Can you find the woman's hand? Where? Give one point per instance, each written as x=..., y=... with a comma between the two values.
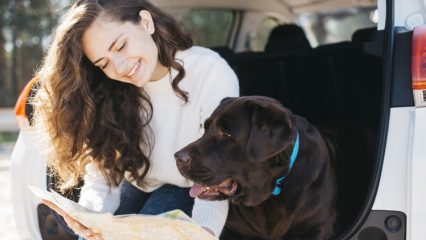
x=76, y=226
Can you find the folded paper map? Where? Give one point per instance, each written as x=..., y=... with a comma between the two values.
x=173, y=225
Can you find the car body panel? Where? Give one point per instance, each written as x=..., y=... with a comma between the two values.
x=418, y=176
x=403, y=174
x=392, y=192
x=409, y=13
x=28, y=168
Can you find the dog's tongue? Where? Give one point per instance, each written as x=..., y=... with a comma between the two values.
x=196, y=190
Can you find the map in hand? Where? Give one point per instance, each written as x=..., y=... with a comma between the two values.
x=173, y=225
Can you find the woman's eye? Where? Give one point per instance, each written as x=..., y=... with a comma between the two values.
x=105, y=65
x=122, y=46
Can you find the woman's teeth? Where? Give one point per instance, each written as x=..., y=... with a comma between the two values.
x=133, y=70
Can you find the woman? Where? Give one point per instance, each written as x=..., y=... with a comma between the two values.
x=122, y=89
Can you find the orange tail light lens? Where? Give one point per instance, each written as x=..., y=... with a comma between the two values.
x=419, y=58
x=22, y=99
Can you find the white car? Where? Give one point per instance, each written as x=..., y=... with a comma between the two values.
x=360, y=62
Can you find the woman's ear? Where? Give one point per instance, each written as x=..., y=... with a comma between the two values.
x=146, y=21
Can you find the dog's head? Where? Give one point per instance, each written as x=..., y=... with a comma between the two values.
x=246, y=146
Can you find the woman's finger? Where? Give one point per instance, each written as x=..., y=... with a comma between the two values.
x=95, y=236
x=89, y=234
x=68, y=219
x=75, y=225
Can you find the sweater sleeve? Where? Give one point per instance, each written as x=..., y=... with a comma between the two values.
x=220, y=83
x=211, y=214
x=96, y=194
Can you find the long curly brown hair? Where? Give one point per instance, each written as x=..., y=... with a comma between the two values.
x=90, y=117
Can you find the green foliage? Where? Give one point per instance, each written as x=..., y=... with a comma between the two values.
x=8, y=137
x=210, y=28
x=25, y=29
x=3, y=66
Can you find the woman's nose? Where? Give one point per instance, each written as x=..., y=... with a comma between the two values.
x=120, y=66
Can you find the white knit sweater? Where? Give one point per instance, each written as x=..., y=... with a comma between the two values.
x=207, y=81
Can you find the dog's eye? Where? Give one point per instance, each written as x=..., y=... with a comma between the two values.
x=224, y=133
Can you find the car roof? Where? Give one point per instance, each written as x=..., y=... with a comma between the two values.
x=284, y=7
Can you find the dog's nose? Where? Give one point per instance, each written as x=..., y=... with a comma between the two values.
x=183, y=158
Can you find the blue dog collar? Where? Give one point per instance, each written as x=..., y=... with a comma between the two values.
x=277, y=189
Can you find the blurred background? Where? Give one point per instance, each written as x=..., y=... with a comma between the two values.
x=25, y=32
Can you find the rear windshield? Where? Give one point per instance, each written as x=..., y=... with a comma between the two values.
x=336, y=26
x=209, y=27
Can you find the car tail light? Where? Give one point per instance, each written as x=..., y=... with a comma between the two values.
x=20, y=106
x=418, y=66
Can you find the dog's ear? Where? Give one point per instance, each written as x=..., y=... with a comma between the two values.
x=227, y=100
x=270, y=131
x=223, y=104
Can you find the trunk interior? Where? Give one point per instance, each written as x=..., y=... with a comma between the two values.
x=331, y=85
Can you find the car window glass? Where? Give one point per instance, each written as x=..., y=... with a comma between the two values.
x=336, y=26
x=209, y=27
x=258, y=38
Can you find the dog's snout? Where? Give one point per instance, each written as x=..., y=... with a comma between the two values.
x=183, y=157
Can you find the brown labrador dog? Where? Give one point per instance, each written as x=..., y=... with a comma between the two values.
x=245, y=156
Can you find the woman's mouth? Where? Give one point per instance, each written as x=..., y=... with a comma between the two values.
x=134, y=68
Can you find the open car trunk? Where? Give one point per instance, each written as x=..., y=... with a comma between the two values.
x=332, y=85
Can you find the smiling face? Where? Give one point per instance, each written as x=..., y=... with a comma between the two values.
x=125, y=51
x=234, y=159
